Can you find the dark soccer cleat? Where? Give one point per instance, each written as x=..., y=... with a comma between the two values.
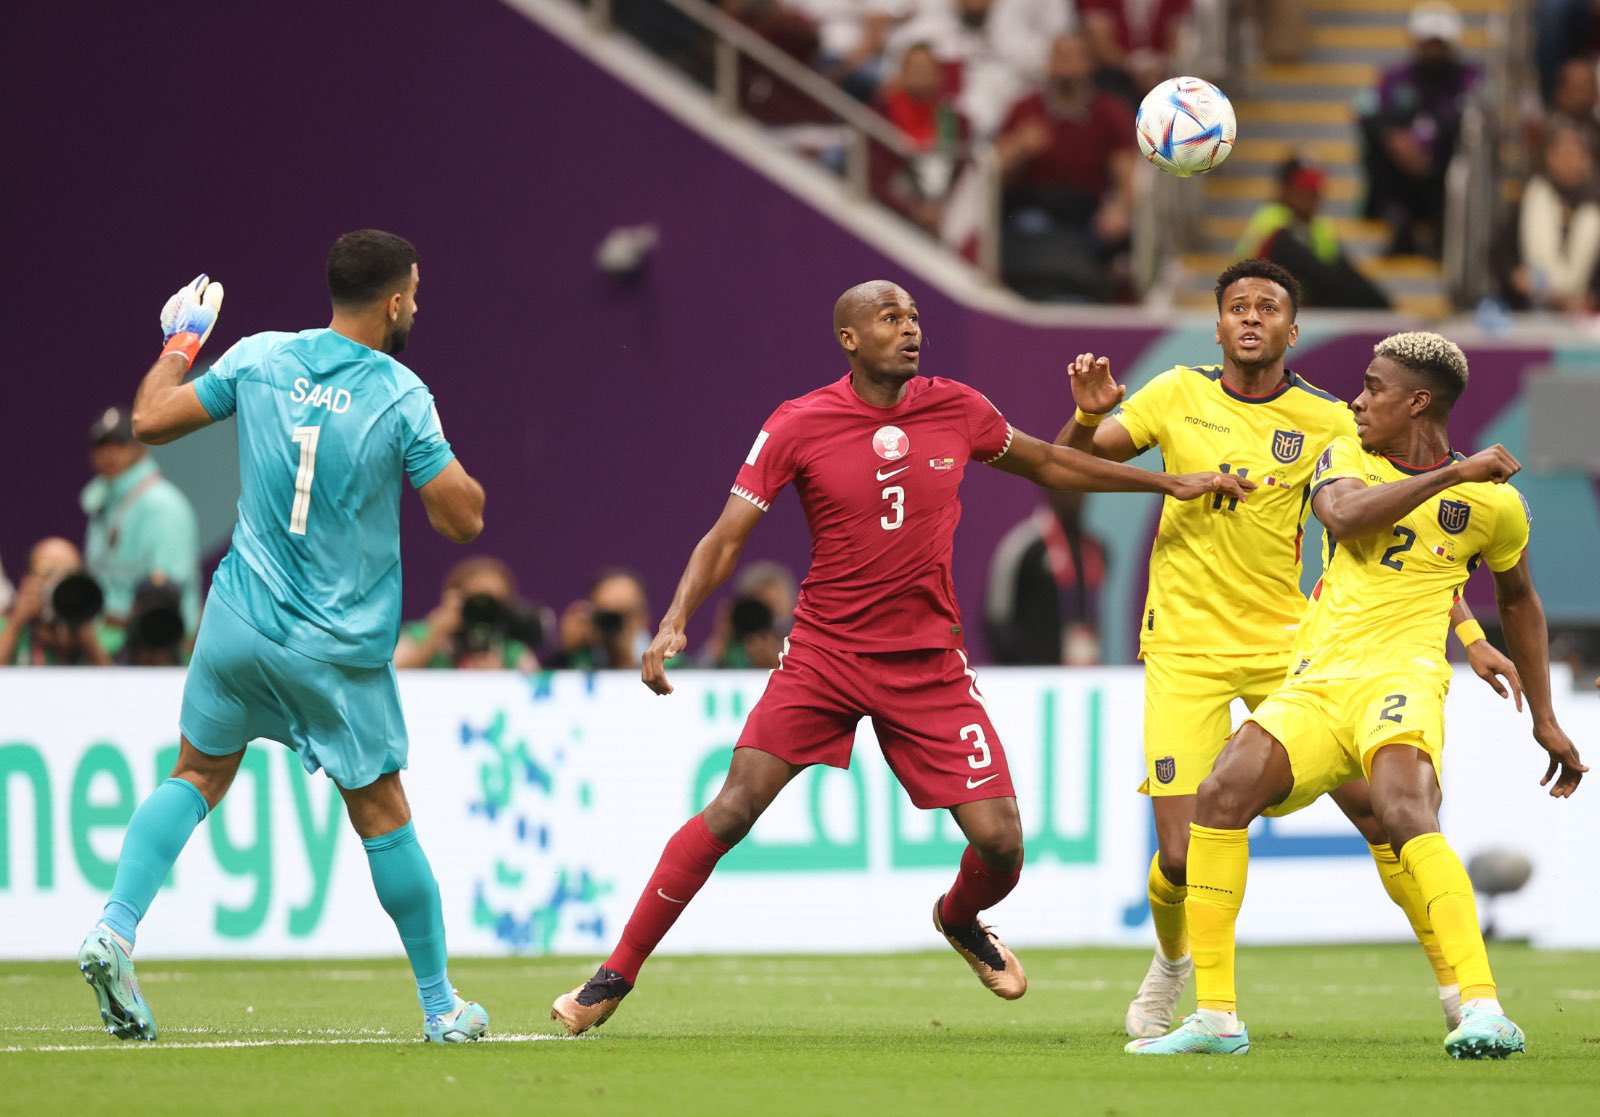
x=592, y=1003
x=995, y=966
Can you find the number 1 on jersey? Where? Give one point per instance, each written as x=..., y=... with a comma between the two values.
x=307, y=439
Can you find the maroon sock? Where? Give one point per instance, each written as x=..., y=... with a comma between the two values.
x=977, y=887
x=685, y=864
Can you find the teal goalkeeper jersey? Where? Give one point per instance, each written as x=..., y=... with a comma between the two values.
x=327, y=430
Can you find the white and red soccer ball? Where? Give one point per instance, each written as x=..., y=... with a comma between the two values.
x=1186, y=126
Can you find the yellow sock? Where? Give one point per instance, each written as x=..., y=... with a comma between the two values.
x=1403, y=890
x=1218, y=862
x=1166, y=910
x=1451, y=910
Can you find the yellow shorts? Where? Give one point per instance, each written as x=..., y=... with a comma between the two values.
x=1332, y=727
x=1186, y=714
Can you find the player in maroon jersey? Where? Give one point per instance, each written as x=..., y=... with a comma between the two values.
x=877, y=458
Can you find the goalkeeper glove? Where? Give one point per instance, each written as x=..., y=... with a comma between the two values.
x=189, y=317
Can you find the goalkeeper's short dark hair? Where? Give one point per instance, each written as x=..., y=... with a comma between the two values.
x=1260, y=269
x=368, y=265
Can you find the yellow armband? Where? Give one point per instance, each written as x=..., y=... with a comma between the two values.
x=1469, y=632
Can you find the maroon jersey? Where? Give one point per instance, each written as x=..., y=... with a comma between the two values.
x=880, y=488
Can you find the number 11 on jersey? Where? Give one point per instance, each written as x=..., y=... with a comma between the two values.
x=307, y=439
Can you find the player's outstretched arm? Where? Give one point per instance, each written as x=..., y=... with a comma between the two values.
x=1486, y=660
x=454, y=501
x=711, y=564
x=1528, y=639
x=1058, y=467
x=1349, y=509
x=1096, y=395
x=165, y=408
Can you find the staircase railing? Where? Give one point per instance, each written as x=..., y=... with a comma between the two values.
x=865, y=134
x=1489, y=152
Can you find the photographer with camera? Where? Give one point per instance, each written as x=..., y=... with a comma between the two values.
x=750, y=628
x=51, y=622
x=141, y=526
x=478, y=624
x=610, y=627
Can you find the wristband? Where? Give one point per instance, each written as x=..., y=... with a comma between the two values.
x=1084, y=419
x=186, y=344
x=1469, y=632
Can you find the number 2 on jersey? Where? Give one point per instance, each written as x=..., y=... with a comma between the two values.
x=896, y=496
x=307, y=439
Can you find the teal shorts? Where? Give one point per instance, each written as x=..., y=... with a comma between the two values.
x=241, y=686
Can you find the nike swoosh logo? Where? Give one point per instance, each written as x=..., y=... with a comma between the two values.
x=972, y=783
x=882, y=476
x=670, y=900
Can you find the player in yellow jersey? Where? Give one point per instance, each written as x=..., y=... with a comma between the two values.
x=1224, y=600
x=1408, y=520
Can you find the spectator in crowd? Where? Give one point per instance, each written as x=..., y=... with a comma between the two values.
x=918, y=103
x=1409, y=132
x=751, y=626
x=140, y=524
x=1291, y=232
x=608, y=628
x=479, y=624
x=1135, y=37
x=1558, y=230
x=52, y=618
x=1563, y=28
x=851, y=35
x=6, y=590
x=1575, y=103
x=994, y=50
x=1067, y=157
x=1043, y=601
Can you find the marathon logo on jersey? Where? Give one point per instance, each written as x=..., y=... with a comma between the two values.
x=1300, y=668
x=1286, y=445
x=941, y=464
x=1453, y=515
x=1166, y=769
x=891, y=443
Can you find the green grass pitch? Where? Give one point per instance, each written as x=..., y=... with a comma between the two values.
x=1335, y=1030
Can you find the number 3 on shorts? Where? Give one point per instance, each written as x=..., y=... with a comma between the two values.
x=973, y=735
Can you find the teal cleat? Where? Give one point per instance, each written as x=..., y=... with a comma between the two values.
x=467, y=1022
x=109, y=971
x=1193, y=1037
x=1484, y=1035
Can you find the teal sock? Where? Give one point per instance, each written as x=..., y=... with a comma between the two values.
x=156, y=835
x=408, y=892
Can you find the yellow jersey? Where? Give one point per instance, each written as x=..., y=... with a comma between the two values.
x=1384, y=599
x=1224, y=573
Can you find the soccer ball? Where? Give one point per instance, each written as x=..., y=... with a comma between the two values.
x=1186, y=126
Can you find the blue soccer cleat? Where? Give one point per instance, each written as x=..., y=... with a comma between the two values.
x=1484, y=1034
x=463, y=1024
x=109, y=971
x=1194, y=1037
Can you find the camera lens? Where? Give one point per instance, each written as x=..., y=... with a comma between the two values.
x=76, y=599
x=609, y=624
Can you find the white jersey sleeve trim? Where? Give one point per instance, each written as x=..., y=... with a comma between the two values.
x=1011, y=432
x=765, y=506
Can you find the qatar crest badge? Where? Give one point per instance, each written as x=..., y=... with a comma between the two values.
x=891, y=443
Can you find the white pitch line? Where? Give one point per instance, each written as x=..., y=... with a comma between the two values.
x=528, y=1037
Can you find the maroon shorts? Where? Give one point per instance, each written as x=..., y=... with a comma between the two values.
x=930, y=720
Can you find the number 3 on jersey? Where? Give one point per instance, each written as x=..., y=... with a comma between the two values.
x=896, y=496
x=307, y=439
